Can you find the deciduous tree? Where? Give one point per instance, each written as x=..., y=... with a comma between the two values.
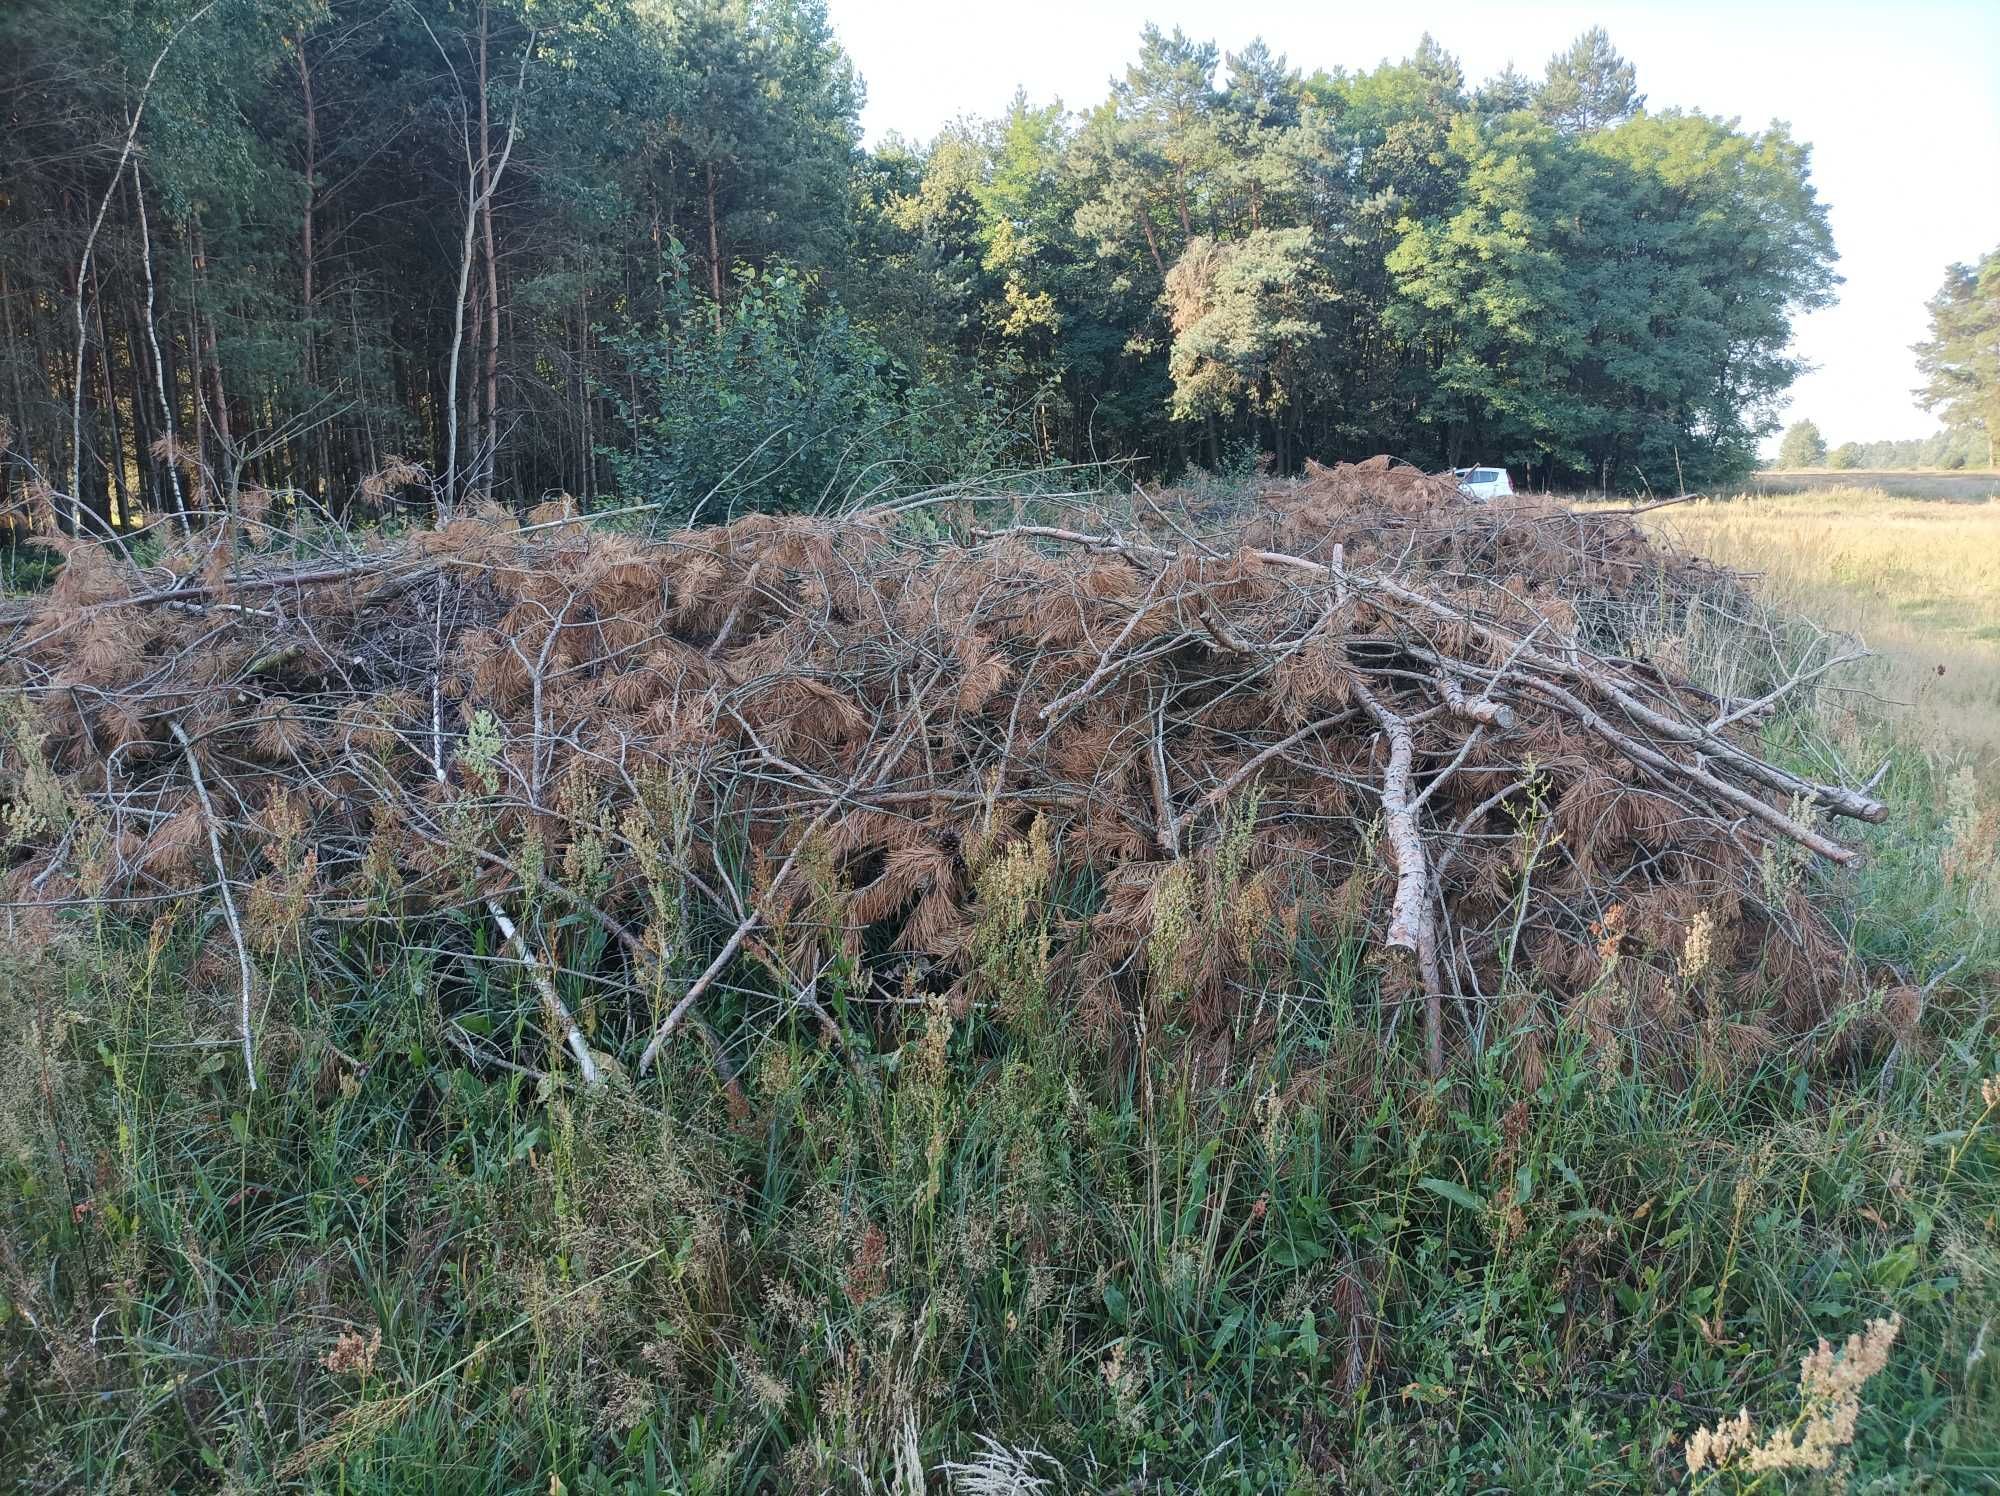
x=1803, y=446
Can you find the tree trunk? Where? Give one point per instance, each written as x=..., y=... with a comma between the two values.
x=91, y=495
x=198, y=451
x=224, y=436
x=159, y=361
x=1152, y=243
x=149, y=488
x=472, y=412
x=482, y=178
x=23, y=439
x=208, y=364
x=714, y=249
x=122, y=519
x=373, y=460
x=317, y=481
x=583, y=384
x=77, y=382
x=490, y=446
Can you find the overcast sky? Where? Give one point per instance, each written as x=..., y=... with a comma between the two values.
x=1900, y=102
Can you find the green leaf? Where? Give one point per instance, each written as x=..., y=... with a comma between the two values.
x=1223, y=1334
x=1114, y=1302
x=1197, y=1193
x=1295, y=1251
x=1306, y=1342
x=1457, y=1194
x=1892, y=1269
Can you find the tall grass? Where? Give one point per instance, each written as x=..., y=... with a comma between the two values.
x=1278, y=1260
x=1918, y=581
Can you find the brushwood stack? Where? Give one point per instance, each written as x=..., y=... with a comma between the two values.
x=1149, y=767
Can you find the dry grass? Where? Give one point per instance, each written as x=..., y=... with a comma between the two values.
x=1970, y=487
x=1918, y=581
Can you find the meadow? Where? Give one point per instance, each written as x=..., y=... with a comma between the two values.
x=1916, y=577
x=1966, y=486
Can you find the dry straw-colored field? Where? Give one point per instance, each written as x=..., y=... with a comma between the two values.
x=1918, y=578
x=1970, y=487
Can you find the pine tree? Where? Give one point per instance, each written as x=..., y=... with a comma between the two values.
x=1226, y=251
x=1589, y=87
x=1960, y=360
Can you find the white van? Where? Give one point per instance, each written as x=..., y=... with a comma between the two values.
x=1484, y=482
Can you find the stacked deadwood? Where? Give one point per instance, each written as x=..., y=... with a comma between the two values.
x=740, y=758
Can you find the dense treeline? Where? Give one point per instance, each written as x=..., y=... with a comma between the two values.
x=637, y=246
x=1952, y=448
x=387, y=227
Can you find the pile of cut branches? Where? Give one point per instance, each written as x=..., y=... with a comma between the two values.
x=1139, y=768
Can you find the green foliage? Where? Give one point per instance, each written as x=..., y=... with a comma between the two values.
x=1954, y=447
x=1803, y=446
x=773, y=403
x=1506, y=92
x=1227, y=253
x=1846, y=455
x=307, y=166
x=1566, y=309
x=1731, y=240
x=1242, y=319
x=1589, y=87
x=1485, y=294
x=398, y=1266
x=1960, y=360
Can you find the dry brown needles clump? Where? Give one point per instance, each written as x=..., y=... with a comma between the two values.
x=1367, y=709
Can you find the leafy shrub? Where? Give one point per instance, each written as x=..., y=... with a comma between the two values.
x=778, y=401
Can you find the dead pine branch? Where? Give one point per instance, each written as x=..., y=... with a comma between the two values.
x=723, y=957
x=920, y=737
x=1410, y=914
x=545, y=987
x=210, y=821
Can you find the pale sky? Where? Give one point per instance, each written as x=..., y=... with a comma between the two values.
x=1900, y=102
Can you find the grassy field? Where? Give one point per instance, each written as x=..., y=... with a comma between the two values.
x=1956, y=487
x=394, y=1270
x=998, y=1256
x=1918, y=580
